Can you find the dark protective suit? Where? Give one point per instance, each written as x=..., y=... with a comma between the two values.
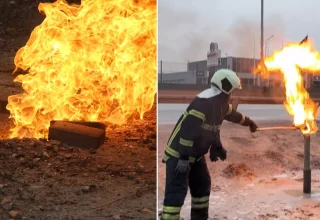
x=196, y=130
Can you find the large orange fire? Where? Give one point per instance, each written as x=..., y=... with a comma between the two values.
x=290, y=61
x=95, y=62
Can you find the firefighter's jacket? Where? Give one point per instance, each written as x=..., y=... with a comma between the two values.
x=200, y=124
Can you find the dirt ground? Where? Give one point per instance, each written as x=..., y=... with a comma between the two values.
x=42, y=179
x=261, y=178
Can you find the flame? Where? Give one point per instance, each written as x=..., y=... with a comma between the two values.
x=290, y=61
x=95, y=62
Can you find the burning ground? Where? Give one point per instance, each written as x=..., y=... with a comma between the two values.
x=48, y=180
x=262, y=176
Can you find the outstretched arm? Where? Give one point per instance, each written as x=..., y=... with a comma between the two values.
x=239, y=118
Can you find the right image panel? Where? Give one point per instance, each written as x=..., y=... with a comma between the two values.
x=238, y=98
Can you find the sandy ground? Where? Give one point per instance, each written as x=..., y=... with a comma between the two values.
x=48, y=180
x=261, y=178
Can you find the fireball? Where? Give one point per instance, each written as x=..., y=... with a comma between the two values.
x=94, y=62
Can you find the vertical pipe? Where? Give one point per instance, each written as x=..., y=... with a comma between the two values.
x=307, y=169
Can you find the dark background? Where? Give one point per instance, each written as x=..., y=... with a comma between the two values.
x=17, y=20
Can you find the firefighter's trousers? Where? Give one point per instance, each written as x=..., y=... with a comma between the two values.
x=198, y=179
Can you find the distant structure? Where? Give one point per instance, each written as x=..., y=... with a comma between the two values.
x=200, y=72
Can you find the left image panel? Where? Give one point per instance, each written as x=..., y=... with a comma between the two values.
x=78, y=109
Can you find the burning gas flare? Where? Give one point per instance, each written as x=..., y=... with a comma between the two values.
x=95, y=62
x=290, y=61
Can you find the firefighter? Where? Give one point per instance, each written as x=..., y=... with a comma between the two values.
x=197, y=131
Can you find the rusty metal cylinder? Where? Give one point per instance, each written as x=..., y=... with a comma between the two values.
x=307, y=169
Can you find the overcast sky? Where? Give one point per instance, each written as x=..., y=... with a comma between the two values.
x=187, y=27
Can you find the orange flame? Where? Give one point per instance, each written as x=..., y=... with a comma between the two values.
x=290, y=61
x=95, y=62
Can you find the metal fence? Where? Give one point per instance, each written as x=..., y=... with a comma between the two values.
x=172, y=67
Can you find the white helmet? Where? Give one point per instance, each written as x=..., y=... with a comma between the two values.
x=226, y=80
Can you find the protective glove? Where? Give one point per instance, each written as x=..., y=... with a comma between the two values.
x=217, y=152
x=213, y=155
x=182, y=166
x=222, y=154
x=252, y=125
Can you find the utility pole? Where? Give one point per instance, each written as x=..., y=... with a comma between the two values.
x=261, y=41
x=254, y=51
x=161, y=71
x=254, y=60
x=267, y=46
x=262, y=36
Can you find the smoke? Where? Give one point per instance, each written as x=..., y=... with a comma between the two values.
x=183, y=37
x=173, y=26
x=241, y=39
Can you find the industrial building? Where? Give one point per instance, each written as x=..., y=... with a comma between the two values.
x=242, y=66
x=200, y=72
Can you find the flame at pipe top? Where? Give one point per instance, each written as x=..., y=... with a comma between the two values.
x=95, y=62
x=290, y=61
